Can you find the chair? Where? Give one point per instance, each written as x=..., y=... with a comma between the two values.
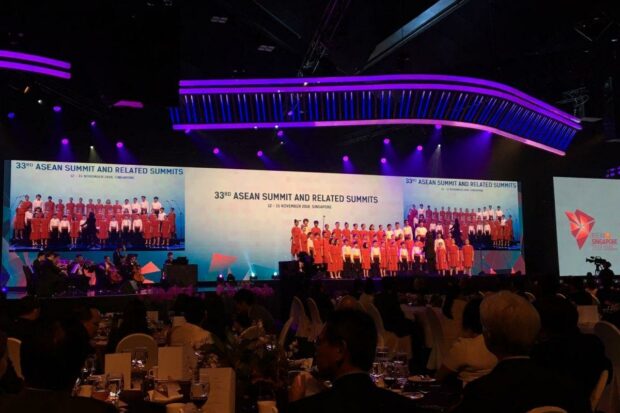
x=315, y=318
x=250, y=333
x=547, y=409
x=14, y=349
x=386, y=338
x=31, y=287
x=530, y=297
x=284, y=332
x=300, y=319
x=438, y=350
x=597, y=392
x=141, y=341
x=588, y=314
x=376, y=317
x=610, y=336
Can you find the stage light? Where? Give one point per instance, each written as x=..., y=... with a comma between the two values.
x=274, y=276
x=345, y=158
x=280, y=133
x=40, y=101
x=439, y=145
x=281, y=142
x=92, y=147
x=93, y=123
x=57, y=108
x=386, y=141
x=65, y=141
x=383, y=160
x=305, y=83
x=4, y=289
x=437, y=126
x=119, y=145
x=259, y=154
x=26, y=89
x=188, y=131
x=220, y=277
x=277, y=126
x=419, y=148
x=11, y=115
x=255, y=127
x=216, y=151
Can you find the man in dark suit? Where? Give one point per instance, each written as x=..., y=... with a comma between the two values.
x=51, y=362
x=345, y=352
x=517, y=384
x=51, y=278
x=563, y=348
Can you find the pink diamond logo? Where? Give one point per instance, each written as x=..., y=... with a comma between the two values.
x=581, y=225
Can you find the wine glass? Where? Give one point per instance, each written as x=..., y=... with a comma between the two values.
x=115, y=386
x=199, y=392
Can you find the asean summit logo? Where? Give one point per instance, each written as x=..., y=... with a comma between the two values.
x=581, y=225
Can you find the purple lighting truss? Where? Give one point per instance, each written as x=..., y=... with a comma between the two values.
x=438, y=100
x=25, y=62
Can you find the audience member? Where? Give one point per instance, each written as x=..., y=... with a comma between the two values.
x=51, y=363
x=452, y=309
x=368, y=295
x=322, y=300
x=564, y=349
x=469, y=357
x=517, y=384
x=245, y=303
x=344, y=354
x=10, y=383
x=348, y=302
x=133, y=321
x=28, y=313
x=190, y=333
x=217, y=319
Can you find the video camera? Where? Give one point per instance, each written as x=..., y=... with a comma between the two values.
x=598, y=261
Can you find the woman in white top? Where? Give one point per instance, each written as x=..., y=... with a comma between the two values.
x=468, y=358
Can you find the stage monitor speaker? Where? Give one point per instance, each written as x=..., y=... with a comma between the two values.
x=182, y=275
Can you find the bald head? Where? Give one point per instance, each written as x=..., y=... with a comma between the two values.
x=510, y=324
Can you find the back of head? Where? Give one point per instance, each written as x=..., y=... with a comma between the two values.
x=471, y=316
x=194, y=311
x=510, y=324
x=28, y=305
x=558, y=316
x=357, y=331
x=51, y=358
x=134, y=317
x=245, y=296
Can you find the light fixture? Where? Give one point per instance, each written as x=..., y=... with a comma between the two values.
x=383, y=160
x=57, y=108
x=259, y=153
x=120, y=144
x=64, y=141
x=345, y=158
x=216, y=151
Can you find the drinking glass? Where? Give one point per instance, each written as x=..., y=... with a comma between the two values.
x=199, y=393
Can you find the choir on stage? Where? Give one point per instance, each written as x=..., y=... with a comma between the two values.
x=427, y=241
x=93, y=225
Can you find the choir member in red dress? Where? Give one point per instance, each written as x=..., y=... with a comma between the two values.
x=495, y=232
x=509, y=231
x=74, y=230
x=108, y=208
x=383, y=265
x=102, y=231
x=80, y=208
x=412, y=215
x=380, y=234
x=363, y=233
x=49, y=206
x=468, y=257
x=355, y=232
x=337, y=232
x=146, y=230
x=165, y=233
x=295, y=239
x=90, y=207
x=327, y=252
x=366, y=263
x=393, y=258
x=172, y=218
x=317, y=243
x=441, y=255
x=372, y=233
x=99, y=208
x=303, y=242
x=335, y=258
x=60, y=208
x=346, y=232
x=315, y=229
x=117, y=208
x=19, y=222
x=35, y=229
x=326, y=232
x=453, y=257
x=155, y=230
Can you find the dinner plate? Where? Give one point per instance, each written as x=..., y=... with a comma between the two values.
x=415, y=395
x=422, y=379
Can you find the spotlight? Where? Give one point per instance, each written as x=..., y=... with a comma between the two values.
x=259, y=153
x=274, y=276
x=119, y=144
x=40, y=102
x=11, y=115
x=439, y=145
x=383, y=160
x=437, y=126
x=57, y=108
x=220, y=277
x=216, y=151
x=277, y=126
x=255, y=127
x=253, y=277
x=386, y=141
x=93, y=123
x=281, y=142
x=419, y=148
x=92, y=147
x=280, y=133
x=187, y=131
x=305, y=83
x=65, y=141
x=345, y=158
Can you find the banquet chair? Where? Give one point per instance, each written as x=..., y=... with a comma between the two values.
x=315, y=318
x=14, y=350
x=438, y=350
x=597, y=392
x=547, y=409
x=376, y=317
x=250, y=333
x=588, y=314
x=300, y=319
x=610, y=336
x=284, y=332
x=386, y=338
x=140, y=341
x=530, y=297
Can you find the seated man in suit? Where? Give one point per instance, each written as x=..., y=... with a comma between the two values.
x=510, y=326
x=51, y=362
x=345, y=351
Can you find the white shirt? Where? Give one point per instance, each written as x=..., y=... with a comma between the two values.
x=189, y=335
x=144, y=205
x=310, y=244
x=470, y=358
x=421, y=211
x=487, y=227
x=126, y=208
x=113, y=225
x=135, y=207
x=485, y=214
x=416, y=250
x=28, y=216
x=421, y=231
x=404, y=253
x=479, y=226
x=137, y=224
x=161, y=216
x=126, y=223
x=439, y=242
x=355, y=252
x=389, y=234
x=439, y=226
x=376, y=252
x=156, y=205
x=432, y=226
x=407, y=230
x=54, y=223
x=478, y=215
x=82, y=221
x=398, y=232
x=499, y=213
x=37, y=204
x=346, y=251
x=64, y=224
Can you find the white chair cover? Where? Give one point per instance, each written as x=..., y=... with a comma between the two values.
x=597, y=392
x=301, y=321
x=530, y=297
x=588, y=314
x=547, y=409
x=250, y=333
x=315, y=318
x=284, y=332
x=140, y=341
x=387, y=338
x=14, y=349
x=610, y=336
x=436, y=356
x=376, y=317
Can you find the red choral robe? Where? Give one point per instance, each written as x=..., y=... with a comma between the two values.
x=468, y=256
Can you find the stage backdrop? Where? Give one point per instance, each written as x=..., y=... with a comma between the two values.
x=240, y=220
x=587, y=223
